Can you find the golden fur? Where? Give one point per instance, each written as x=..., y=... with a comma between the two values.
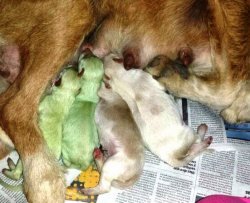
x=48, y=33
x=217, y=32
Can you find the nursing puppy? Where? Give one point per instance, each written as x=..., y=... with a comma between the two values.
x=122, y=163
x=218, y=32
x=156, y=115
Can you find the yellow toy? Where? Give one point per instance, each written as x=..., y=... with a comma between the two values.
x=86, y=179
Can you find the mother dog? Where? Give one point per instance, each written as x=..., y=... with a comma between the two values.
x=49, y=32
x=217, y=32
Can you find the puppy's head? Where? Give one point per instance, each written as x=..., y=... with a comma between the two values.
x=113, y=66
x=92, y=68
x=108, y=94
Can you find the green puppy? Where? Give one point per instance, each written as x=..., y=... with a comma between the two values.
x=54, y=108
x=79, y=129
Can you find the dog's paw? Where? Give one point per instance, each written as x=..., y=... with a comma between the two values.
x=94, y=191
x=43, y=179
x=230, y=115
x=15, y=171
x=158, y=66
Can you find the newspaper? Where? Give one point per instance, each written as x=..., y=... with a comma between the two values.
x=224, y=171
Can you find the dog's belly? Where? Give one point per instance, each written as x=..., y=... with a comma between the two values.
x=202, y=63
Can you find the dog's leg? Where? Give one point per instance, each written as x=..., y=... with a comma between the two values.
x=239, y=111
x=43, y=177
x=163, y=66
x=208, y=90
x=6, y=145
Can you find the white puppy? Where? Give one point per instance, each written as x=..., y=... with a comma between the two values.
x=156, y=115
x=123, y=161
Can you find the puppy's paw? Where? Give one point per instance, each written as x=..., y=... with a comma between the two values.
x=94, y=191
x=208, y=141
x=87, y=191
x=43, y=179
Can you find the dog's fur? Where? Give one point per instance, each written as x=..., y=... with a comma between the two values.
x=49, y=32
x=123, y=160
x=218, y=32
x=156, y=115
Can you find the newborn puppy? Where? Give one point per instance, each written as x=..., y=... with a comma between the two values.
x=156, y=115
x=122, y=165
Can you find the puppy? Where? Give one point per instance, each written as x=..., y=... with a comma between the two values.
x=218, y=32
x=156, y=115
x=120, y=138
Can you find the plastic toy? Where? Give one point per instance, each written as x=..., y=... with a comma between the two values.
x=86, y=179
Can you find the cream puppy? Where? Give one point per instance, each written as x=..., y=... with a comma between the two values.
x=120, y=138
x=156, y=115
